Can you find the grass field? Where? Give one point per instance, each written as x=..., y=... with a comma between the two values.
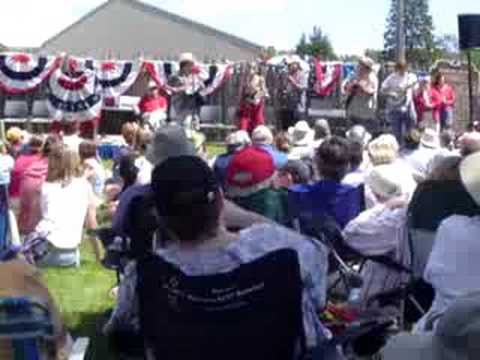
x=82, y=293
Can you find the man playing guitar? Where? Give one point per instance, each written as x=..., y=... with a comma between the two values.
x=400, y=110
x=360, y=90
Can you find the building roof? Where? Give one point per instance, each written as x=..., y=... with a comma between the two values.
x=130, y=11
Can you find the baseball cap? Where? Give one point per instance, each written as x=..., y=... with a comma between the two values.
x=169, y=141
x=181, y=182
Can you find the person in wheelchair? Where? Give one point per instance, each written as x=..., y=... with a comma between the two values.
x=190, y=202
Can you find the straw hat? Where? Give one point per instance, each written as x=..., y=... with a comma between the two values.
x=238, y=138
x=470, y=175
x=430, y=139
x=302, y=134
x=383, y=180
x=262, y=135
x=186, y=57
x=367, y=62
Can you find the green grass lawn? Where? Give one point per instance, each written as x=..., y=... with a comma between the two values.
x=82, y=296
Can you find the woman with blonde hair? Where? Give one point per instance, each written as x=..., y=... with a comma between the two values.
x=384, y=150
x=66, y=201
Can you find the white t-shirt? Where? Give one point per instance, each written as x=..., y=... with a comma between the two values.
x=398, y=83
x=64, y=209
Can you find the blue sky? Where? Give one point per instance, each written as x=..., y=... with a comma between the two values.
x=352, y=25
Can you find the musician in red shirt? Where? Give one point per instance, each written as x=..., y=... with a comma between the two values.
x=252, y=104
x=443, y=111
x=425, y=101
x=153, y=107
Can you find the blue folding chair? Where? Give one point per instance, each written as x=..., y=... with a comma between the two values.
x=338, y=201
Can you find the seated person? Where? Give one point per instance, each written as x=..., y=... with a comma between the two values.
x=235, y=141
x=171, y=141
x=456, y=336
x=66, y=202
x=30, y=187
x=145, y=167
x=303, y=139
x=262, y=137
x=356, y=175
x=22, y=163
x=250, y=184
x=385, y=150
x=18, y=279
x=358, y=134
x=381, y=231
x=188, y=197
x=294, y=172
x=93, y=170
x=452, y=268
x=322, y=132
x=328, y=196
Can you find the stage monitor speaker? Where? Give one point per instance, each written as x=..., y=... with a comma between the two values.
x=469, y=31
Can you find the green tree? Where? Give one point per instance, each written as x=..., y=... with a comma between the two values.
x=318, y=43
x=419, y=38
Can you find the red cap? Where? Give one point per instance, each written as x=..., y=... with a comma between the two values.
x=250, y=169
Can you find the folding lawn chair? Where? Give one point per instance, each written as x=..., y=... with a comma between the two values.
x=432, y=202
x=26, y=331
x=252, y=312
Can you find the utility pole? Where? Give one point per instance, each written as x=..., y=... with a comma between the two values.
x=401, y=31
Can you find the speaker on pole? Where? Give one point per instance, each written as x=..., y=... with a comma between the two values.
x=469, y=38
x=469, y=31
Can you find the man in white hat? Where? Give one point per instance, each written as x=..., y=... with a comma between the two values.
x=303, y=140
x=186, y=86
x=453, y=268
x=153, y=107
x=421, y=159
x=293, y=93
x=361, y=94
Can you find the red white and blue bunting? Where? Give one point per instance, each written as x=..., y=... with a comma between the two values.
x=21, y=73
x=160, y=71
x=218, y=74
x=327, y=76
x=74, y=98
x=115, y=77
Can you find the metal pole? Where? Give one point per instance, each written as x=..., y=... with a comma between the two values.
x=401, y=57
x=470, y=85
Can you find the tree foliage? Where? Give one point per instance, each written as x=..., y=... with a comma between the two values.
x=419, y=39
x=317, y=43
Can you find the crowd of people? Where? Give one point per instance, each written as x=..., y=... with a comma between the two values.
x=208, y=215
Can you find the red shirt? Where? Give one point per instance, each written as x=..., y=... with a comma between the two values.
x=22, y=163
x=150, y=103
x=444, y=99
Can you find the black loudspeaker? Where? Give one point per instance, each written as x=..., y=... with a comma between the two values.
x=469, y=31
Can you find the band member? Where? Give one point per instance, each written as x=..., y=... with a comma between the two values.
x=443, y=111
x=293, y=94
x=186, y=86
x=360, y=90
x=400, y=110
x=153, y=107
x=253, y=100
